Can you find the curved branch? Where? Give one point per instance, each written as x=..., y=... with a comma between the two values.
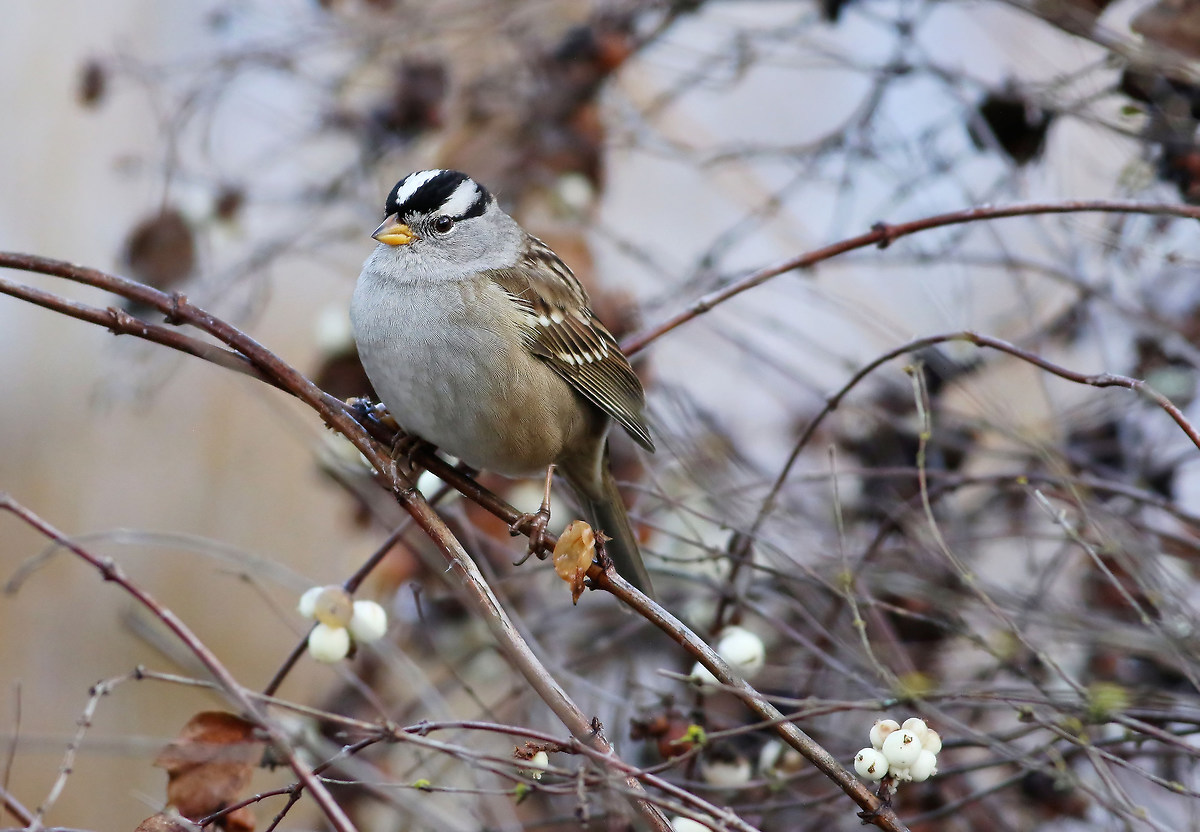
x=232, y=688
x=119, y=322
x=338, y=416
x=883, y=235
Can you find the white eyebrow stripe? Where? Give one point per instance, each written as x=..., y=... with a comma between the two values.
x=413, y=184
x=463, y=198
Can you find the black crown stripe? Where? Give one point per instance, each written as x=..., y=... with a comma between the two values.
x=433, y=194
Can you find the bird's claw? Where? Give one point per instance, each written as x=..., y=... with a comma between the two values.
x=534, y=525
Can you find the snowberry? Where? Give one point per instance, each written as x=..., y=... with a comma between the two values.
x=900, y=752
x=880, y=731
x=308, y=601
x=334, y=607
x=871, y=764
x=368, y=623
x=328, y=644
x=742, y=650
x=932, y=742
x=901, y=748
x=702, y=676
x=682, y=824
x=918, y=727
x=725, y=771
x=537, y=765
x=779, y=760
x=924, y=768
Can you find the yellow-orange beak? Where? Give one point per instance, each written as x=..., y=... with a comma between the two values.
x=392, y=232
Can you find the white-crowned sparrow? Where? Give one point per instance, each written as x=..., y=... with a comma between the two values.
x=480, y=340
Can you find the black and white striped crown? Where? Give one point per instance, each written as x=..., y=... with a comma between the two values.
x=448, y=192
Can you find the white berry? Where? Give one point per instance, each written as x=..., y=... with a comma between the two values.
x=871, y=764
x=682, y=824
x=880, y=731
x=778, y=760
x=308, y=601
x=328, y=644
x=368, y=623
x=333, y=606
x=924, y=768
x=918, y=727
x=742, y=650
x=702, y=676
x=901, y=748
x=726, y=773
x=932, y=742
x=537, y=765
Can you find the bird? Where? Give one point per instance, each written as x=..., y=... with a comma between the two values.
x=480, y=340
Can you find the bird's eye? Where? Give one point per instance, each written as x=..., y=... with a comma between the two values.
x=443, y=224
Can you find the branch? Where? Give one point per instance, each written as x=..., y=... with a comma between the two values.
x=337, y=415
x=874, y=811
x=245, y=703
x=882, y=235
x=119, y=322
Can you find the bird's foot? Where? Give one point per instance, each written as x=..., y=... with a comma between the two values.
x=406, y=445
x=403, y=452
x=369, y=412
x=534, y=525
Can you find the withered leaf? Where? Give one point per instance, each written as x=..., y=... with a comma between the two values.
x=166, y=822
x=210, y=764
x=239, y=820
x=161, y=249
x=93, y=83
x=573, y=555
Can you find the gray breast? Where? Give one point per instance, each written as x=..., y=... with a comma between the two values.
x=449, y=364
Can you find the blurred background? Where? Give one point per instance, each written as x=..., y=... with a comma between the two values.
x=1035, y=600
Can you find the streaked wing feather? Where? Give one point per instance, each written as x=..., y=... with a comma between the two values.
x=563, y=332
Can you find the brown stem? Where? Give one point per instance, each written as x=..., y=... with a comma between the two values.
x=15, y=808
x=485, y=603
x=882, y=816
x=739, y=543
x=337, y=415
x=246, y=704
x=883, y=235
x=119, y=322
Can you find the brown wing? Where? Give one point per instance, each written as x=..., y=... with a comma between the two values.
x=564, y=333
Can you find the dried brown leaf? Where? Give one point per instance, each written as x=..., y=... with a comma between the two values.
x=210, y=764
x=239, y=820
x=93, y=83
x=161, y=249
x=166, y=822
x=573, y=556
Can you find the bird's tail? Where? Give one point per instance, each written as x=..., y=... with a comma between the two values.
x=606, y=512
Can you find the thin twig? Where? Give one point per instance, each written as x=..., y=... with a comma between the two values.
x=337, y=415
x=882, y=816
x=97, y=692
x=15, y=807
x=350, y=585
x=883, y=235
x=229, y=685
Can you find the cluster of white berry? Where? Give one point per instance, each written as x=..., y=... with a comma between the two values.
x=339, y=618
x=903, y=752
